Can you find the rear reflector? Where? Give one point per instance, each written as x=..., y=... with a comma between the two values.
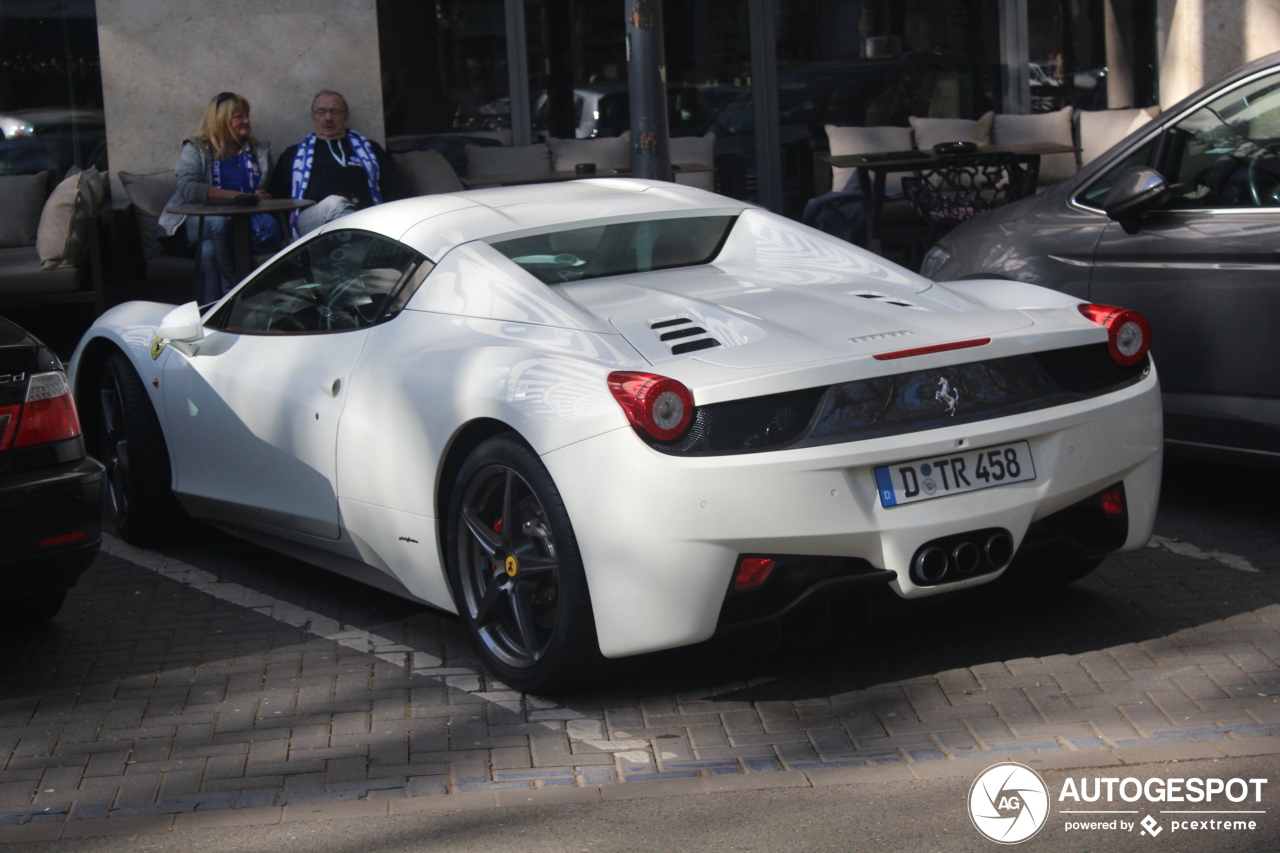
x=63, y=539
x=752, y=571
x=1112, y=500
x=907, y=353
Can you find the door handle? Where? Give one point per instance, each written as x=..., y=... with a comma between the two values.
x=334, y=388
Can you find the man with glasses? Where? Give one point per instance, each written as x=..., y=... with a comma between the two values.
x=336, y=167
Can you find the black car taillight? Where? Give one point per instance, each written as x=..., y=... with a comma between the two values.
x=48, y=413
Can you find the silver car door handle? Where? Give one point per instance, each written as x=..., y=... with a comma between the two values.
x=334, y=388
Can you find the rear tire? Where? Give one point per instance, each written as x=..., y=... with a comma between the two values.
x=516, y=573
x=132, y=447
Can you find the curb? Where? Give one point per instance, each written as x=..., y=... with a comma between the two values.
x=42, y=829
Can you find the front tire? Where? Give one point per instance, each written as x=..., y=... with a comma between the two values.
x=131, y=446
x=516, y=573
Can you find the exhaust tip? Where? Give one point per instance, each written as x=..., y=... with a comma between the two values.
x=999, y=549
x=965, y=558
x=929, y=566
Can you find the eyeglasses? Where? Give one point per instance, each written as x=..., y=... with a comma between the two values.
x=324, y=113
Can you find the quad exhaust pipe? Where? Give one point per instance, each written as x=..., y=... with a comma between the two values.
x=961, y=555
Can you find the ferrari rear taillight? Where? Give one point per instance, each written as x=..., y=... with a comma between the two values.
x=1112, y=500
x=49, y=413
x=658, y=406
x=1128, y=333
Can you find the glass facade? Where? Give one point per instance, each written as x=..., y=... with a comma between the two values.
x=1091, y=54
x=50, y=87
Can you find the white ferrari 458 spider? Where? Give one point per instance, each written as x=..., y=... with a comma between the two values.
x=607, y=417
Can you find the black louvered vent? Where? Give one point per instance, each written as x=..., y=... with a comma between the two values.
x=692, y=338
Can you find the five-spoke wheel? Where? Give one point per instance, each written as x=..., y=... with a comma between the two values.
x=516, y=573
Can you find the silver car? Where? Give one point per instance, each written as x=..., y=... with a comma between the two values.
x=1180, y=221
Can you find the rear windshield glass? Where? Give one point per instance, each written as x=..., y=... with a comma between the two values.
x=627, y=247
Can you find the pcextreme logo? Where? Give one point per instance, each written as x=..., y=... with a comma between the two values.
x=1009, y=803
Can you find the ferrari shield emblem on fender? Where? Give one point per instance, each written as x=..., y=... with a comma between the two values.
x=157, y=346
x=947, y=395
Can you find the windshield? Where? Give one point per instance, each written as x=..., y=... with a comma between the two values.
x=627, y=247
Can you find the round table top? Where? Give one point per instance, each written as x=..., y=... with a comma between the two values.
x=270, y=205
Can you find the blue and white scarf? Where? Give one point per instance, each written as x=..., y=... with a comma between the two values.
x=306, y=154
x=266, y=231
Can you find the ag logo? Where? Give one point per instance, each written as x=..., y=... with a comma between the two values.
x=1008, y=803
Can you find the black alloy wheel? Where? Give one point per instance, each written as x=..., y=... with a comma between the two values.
x=131, y=446
x=115, y=448
x=517, y=576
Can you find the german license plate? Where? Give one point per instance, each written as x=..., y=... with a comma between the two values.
x=953, y=473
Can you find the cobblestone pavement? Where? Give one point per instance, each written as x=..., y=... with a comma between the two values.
x=218, y=676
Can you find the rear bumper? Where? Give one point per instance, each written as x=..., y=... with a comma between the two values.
x=660, y=536
x=50, y=527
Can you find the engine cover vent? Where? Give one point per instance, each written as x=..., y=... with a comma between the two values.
x=691, y=338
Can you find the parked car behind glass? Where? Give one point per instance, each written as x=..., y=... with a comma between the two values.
x=1192, y=242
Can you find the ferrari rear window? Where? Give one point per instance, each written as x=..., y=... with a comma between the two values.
x=618, y=249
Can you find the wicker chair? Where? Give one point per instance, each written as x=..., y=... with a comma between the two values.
x=962, y=186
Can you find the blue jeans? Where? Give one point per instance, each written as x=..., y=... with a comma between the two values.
x=217, y=258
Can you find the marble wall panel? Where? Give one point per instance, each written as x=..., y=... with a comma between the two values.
x=163, y=61
x=1200, y=40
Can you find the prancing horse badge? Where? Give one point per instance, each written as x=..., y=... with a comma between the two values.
x=948, y=395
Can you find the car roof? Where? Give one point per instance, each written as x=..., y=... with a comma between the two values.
x=435, y=224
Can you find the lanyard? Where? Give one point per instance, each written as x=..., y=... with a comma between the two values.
x=339, y=155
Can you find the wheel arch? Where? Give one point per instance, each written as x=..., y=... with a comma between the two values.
x=467, y=438
x=89, y=366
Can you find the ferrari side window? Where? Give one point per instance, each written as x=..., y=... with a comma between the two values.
x=341, y=280
x=1227, y=153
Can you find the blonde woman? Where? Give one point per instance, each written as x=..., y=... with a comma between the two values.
x=223, y=160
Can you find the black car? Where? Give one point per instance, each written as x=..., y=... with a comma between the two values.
x=50, y=490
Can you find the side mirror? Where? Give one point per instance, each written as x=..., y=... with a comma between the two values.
x=1138, y=190
x=182, y=324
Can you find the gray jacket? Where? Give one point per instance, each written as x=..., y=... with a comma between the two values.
x=195, y=177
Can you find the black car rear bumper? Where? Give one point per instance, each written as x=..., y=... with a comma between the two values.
x=50, y=527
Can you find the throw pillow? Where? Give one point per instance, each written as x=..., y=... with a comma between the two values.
x=149, y=194
x=62, y=237
x=607, y=152
x=513, y=160
x=1101, y=129
x=930, y=131
x=1041, y=127
x=21, y=198
x=695, y=150
x=865, y=140
x=428, y=172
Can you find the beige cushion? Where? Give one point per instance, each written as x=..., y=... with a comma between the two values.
x=21, y=274
x=428, y=172
x=21, y=200
x=607, y=152
x=930, y=131
x=515, y=160
x=62, y=237
x=1101, y=129
x=700, y=150
x=1041, y=127
x=865, y=140
x=149, y=194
